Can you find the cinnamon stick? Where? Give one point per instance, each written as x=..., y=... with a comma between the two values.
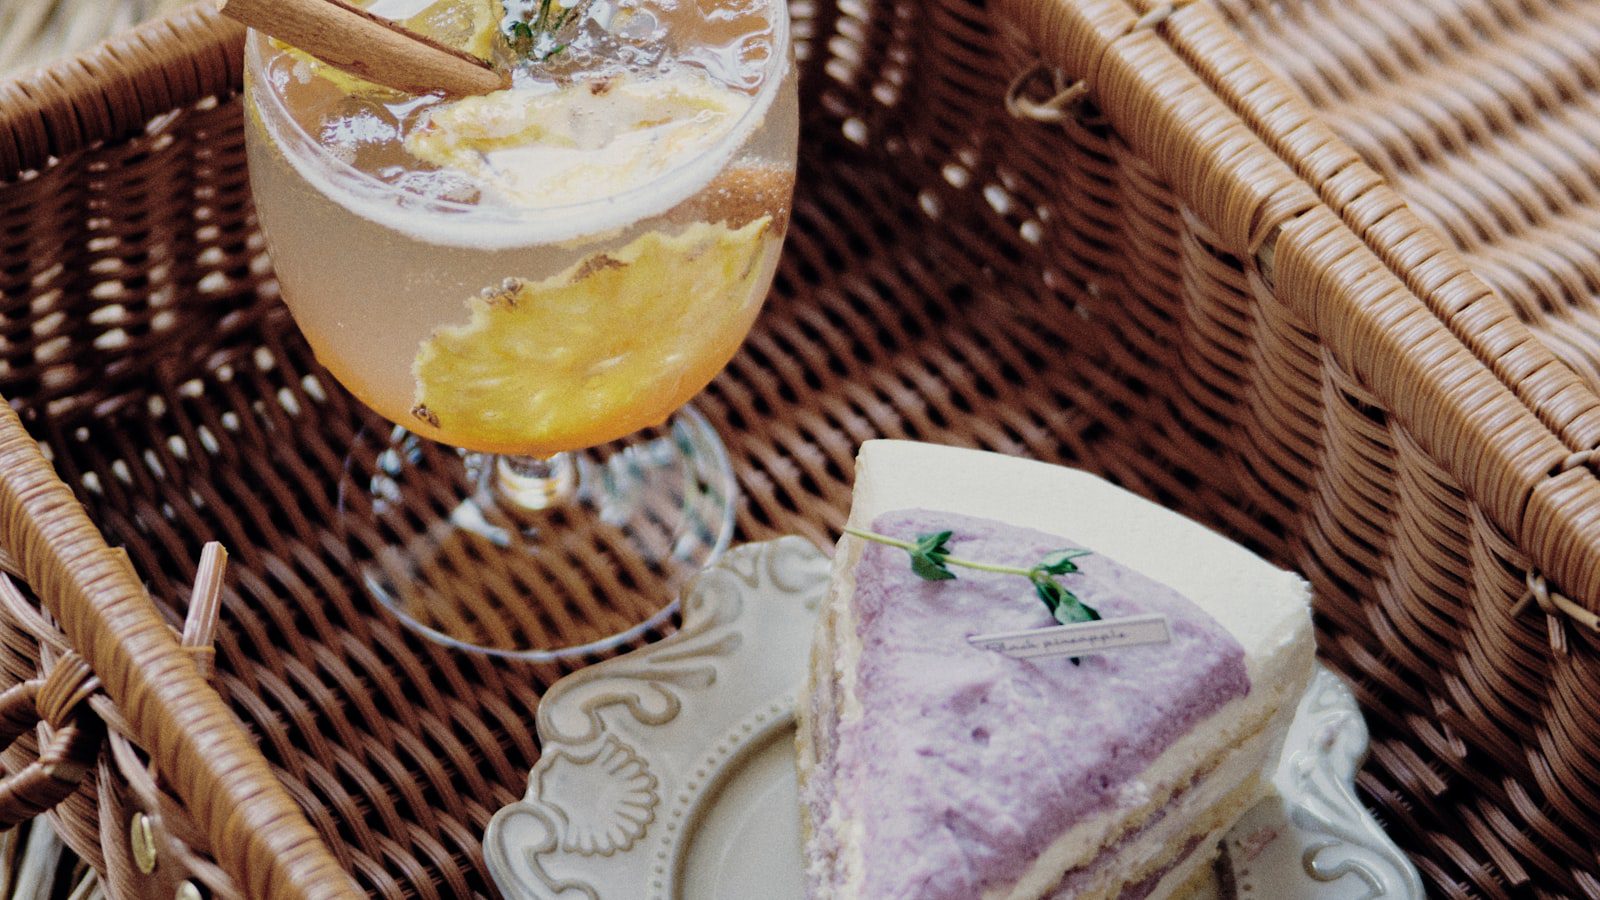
x=372, y=47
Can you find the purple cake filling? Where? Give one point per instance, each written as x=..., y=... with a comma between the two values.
x=966, y=763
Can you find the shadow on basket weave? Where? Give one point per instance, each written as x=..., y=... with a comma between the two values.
x=1102, y=233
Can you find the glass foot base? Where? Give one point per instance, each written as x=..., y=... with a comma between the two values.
x=538, y=560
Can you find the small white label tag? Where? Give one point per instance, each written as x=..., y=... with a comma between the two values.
x=1077, y=639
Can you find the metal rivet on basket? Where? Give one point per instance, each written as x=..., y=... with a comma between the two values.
x=187, y=891
x=143, y=839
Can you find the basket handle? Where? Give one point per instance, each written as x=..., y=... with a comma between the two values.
x=252, y=826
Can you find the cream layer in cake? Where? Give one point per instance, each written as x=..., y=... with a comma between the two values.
x=1259, y=612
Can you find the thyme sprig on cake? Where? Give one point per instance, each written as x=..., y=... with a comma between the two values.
x=931, y=560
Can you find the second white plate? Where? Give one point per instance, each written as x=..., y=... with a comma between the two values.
x=668, y=773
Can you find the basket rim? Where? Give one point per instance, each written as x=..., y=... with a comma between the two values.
x=115, y=88
x=253, y=827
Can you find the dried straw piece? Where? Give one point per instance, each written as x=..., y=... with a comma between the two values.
x=205, y=602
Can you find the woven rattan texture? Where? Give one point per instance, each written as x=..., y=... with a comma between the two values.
x=951, y=275
x=1483, y=115
x=145, y=347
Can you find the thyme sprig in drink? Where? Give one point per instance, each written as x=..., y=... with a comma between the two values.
x=541, y=269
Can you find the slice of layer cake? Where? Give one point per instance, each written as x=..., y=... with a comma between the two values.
x=931, y=768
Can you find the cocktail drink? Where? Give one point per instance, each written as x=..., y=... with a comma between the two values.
x=545, y=269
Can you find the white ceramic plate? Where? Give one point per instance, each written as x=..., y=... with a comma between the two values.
x=668, y=773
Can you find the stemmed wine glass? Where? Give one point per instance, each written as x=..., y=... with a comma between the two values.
x=529, y=287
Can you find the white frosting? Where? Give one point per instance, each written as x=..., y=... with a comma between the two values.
x=1265, y=608
x=847, y=641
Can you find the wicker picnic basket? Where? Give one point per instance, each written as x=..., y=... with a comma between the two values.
x=1322, y=273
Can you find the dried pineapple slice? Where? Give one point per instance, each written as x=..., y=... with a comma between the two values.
x=609, y=346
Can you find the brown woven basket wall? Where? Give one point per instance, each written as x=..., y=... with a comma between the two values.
x=1480, y=116
x=1191, y=285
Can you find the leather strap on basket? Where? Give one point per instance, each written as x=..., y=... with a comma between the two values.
x=1556, y=609
x=1020, y=106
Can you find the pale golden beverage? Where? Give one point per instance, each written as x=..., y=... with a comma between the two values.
x=546, y=268
x=531, y=285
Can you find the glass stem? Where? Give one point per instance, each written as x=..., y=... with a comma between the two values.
x=534, y=483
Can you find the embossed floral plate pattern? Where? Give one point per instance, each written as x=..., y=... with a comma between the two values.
x=669, y=772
